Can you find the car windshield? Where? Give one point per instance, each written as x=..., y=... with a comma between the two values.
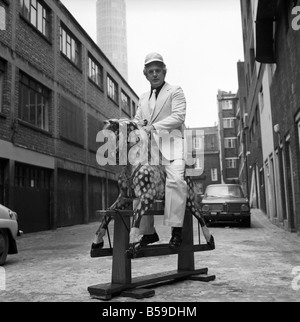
x=224, y=191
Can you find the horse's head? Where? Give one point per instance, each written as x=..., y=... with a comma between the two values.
x=126, y=134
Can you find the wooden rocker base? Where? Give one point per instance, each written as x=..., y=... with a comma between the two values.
x=122, y=282
x=155, y=250
x=108, y=291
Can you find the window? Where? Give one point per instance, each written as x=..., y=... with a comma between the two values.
x=197, y=143
x=228, y=123
x=95, y=72
x=71, y=122
x=227, y=105
x=69, y=46
x=214, y=175
x=1, y=87
x=125, y=102
x=133, y=109
x=31, y=177
x=112, y=89
x=35, y=12
x=2, y=18
x=199, y=164
x=95, y=125
x=33, y=103
x=231, y=163
x=230, y=143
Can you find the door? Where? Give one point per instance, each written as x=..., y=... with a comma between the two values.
x=32, y=197
x=95, y=197
x=70, y=199
x=1, y=181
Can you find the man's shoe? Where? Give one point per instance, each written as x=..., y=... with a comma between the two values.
x=149, y=239
x=176, y=239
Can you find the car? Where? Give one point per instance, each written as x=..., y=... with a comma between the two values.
x=225, y=203
x=9, y=231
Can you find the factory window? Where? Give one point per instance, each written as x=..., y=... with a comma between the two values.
x=71, y=122
x=33, y=103
x=125, y=103
x=112, y=89
x=37, y=14
x=95, y=72
x=1, y=87
x=69, y=46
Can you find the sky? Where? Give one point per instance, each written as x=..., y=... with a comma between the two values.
x=200, y=40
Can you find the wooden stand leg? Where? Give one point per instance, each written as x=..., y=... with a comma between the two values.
x=186, y=261
x=121, y=269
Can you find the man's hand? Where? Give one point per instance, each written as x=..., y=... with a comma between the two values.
x=148, y=129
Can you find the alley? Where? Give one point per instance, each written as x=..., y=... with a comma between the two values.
x=250, y=265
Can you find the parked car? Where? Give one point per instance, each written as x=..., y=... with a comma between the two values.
x=9, y=230
x=226, y=203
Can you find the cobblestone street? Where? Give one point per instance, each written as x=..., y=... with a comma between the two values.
x=250, y=265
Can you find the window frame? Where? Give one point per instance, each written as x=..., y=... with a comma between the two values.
x=95, y=73
x=230, y=143
x=70, y=46
x=34, y=89
x=229, y=122
x=199, y=164
x=231, y=163
x=133, y=108
x=227, y=105
x=197, y=143
x=1, y=90
x=214, y=174
x=112, y=89
x=126, y=103
x=42, y=20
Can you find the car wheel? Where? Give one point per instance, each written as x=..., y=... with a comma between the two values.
x=3, y=246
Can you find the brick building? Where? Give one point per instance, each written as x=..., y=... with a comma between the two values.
x=272, y=51
x=206, y=149
x=227, y=106
x=56, y=89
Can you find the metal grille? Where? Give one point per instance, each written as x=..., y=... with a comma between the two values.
x=216, y=207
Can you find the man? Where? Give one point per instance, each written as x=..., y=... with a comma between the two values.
x=164, y=109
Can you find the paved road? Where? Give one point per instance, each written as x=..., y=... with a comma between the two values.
x=250, y=265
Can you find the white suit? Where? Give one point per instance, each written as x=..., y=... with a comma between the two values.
x=168, y=115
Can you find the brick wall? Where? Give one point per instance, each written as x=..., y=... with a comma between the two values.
x=285, y=95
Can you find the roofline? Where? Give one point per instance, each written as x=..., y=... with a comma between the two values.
x=78, y=25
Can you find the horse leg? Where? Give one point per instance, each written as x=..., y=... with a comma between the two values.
x=120, y=204
x=144, y=204
x=197, y=214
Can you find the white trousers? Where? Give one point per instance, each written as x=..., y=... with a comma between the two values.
x=175, y=199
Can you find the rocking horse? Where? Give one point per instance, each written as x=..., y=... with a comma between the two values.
x=141, y=181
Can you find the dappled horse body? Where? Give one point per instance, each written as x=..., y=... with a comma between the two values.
x=142, y=181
